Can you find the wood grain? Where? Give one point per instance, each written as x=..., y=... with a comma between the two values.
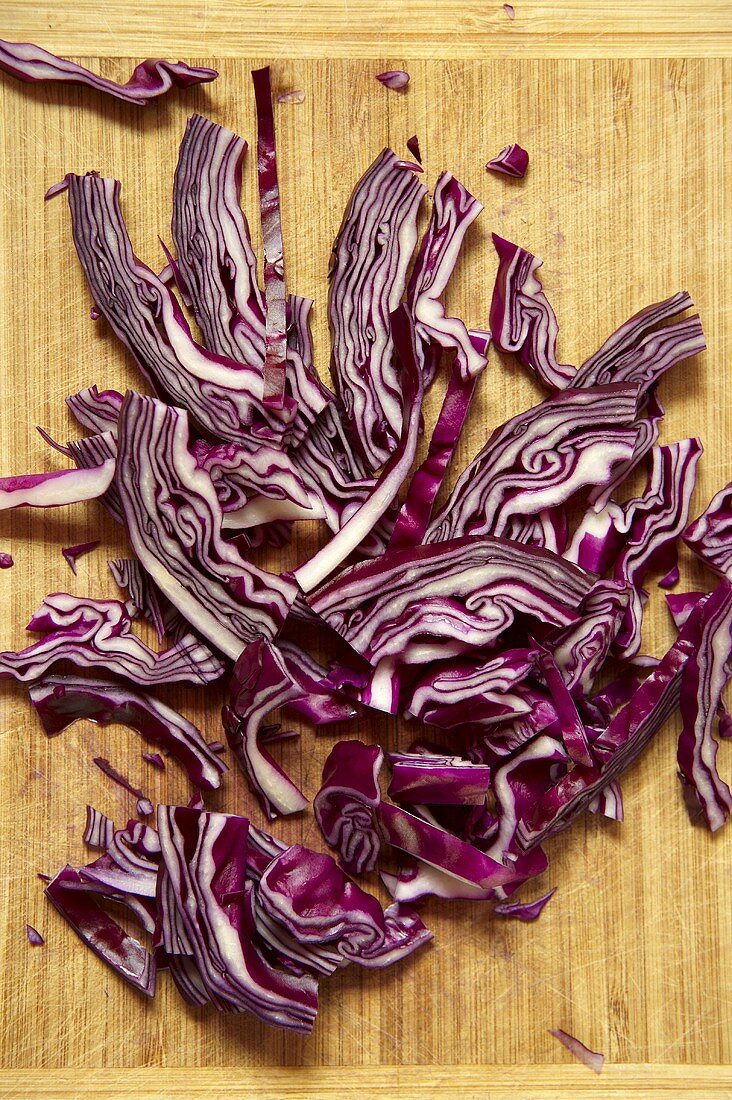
x=627, y=201
x=465, y=29
x=408, y=1083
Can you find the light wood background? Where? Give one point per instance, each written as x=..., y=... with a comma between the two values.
x=628, y=199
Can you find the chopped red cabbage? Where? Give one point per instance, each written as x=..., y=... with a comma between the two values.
x=56, y=488
x=99, y=830
x=97, y=634
x=62, y=700
x=368, y=275
x=344, y=806
x=413, y=147
x=381, y=607
x=358, y=526
x=582, y=1053
x=703, y=679
x=124, y=954
x=521, y=318
x=534, y=463
x=35, y=939
x=73, y=553
x=525, y=911
x=220, y=275
x=226, y=599
x=274, y=271
x=425, y=777
x=207, y=917
x=710, y=535
x=117, y=777
x=260, y=683
x=511, y=161
x=396, y=79
x=150, y=79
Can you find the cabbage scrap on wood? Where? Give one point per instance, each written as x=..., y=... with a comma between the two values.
x=494, y=623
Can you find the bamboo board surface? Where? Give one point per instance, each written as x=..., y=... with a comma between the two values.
x=627, y=200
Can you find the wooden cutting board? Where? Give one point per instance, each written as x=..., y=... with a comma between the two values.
x=627, y=200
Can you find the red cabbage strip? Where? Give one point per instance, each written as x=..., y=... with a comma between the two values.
x=344, y=806
x=144, y=599
x=225, y=598
x=619, y=745
x=120, y=951
x=260, y=683
x=658, y=520
x=580, y=649
x=440, y=849
x=150, y=79
x=583, y=1054
x=466, y=591
x=524, y=910
x=308, y=894
x=98, y=412
x=608, y=802
x=474, y=689
x=61, y=700
x=414, y=518
x=357, y=527
x=274, y=261
x=303, y=382
x=56, y=488
x=538, y=460
x=99, y=829
x=204, y=855
x=117, y=777
x=710, y=535
x=521, y=319
x=703, y=680
x=437, y=780
x=321, y=704
x=73, y=553
x=97, y=633
x=240, y=477
x=454, y=210
x=368, y=276
x=225, y=397
x=212, y=239
x=574, y=736
x=640, y=352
